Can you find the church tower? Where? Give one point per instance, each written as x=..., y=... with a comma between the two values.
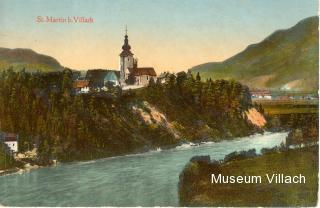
x=126, y=60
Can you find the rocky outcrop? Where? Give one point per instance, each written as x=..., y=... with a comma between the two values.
x=151, y=116
x=256, y=117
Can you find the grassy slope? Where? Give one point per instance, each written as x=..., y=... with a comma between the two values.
x=202, y=193
x=26, y=58
x=285, y=57
x=288, y=107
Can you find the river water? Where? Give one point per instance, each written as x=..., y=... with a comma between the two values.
x=148, y=179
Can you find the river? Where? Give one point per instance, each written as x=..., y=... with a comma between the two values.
x=147, y=179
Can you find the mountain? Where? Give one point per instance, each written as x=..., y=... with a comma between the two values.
x=26, y=58
x=287, y=59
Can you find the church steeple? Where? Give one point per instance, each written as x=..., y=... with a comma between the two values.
x=126, y=47
x=127, y=61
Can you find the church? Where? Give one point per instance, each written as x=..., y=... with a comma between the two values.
x=130, y=73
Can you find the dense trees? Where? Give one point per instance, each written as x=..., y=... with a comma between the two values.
x=43, y=110
x=211, y=109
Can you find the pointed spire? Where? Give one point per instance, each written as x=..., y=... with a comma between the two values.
x=126, y=47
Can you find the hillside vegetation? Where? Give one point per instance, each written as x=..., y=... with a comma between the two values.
x=44, y=111
x=27, y=59
x=196, y=189
x=287, y=59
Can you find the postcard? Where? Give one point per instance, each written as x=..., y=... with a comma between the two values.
x=163, y=103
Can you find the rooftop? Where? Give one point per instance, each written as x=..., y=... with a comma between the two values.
x=143, y=71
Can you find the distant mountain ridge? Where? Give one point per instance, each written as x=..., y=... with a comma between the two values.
x=20, y=58
x=287, y=59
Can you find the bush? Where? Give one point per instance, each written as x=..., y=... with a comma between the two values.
x=240, y=155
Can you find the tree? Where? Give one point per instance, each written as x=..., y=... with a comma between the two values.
x=151, y=82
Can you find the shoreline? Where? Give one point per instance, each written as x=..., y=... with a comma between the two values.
x=17, y=170
x=30, y=167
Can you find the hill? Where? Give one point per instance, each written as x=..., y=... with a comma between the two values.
x=287, y=59
x=26, y=58
x=196, y=188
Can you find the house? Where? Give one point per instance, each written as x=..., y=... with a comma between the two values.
x=163, y=77
x=261, y=94
x=81, y=86
x=112, y=78
x=11, y=140
x=99, y=78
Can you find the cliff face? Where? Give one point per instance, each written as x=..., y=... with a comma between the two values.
x=255, y=117
x=153, y=117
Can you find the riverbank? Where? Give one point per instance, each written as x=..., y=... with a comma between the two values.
x=21, y=169
x=28, y=166
x=148, y=179
x=196, y=187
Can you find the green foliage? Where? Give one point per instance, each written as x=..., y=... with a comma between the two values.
x=27, y=59
x=43, y=109
x=211, y=109
x=196, y=189
x=6, y=159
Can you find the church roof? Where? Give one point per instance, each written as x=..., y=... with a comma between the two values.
x=142, y=71
x=126, y=48
x=126, y=53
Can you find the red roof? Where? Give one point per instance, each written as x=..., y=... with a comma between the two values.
x=10, y=137
x=143, y=71
x=81, y=83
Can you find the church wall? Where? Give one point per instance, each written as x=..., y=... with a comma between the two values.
x=144, y=79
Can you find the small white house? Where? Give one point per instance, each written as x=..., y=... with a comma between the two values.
x=261, y=94
x=13, y=145
x=11, y=140
x=81, y=86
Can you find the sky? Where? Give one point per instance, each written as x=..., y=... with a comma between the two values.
x=169, y=35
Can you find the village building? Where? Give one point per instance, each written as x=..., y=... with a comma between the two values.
x=81, y=86
x=10, y=140
x=99, y=79
x=112, y=78
x=163, y=77
x=261, y=94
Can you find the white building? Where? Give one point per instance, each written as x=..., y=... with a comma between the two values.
x=261, y=94
x=11, y=140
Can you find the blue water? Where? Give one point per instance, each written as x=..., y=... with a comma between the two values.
x=148, y=179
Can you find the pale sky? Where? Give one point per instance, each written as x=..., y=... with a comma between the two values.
x=169, y=35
